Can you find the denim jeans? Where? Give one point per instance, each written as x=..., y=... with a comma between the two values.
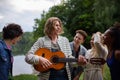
x=58, y=74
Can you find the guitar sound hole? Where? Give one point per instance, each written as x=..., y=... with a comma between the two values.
x=43, y=55
x=55, y=59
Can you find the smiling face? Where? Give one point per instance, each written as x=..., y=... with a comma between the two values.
x=57, y=27
x=53, y=26
x=79, y=38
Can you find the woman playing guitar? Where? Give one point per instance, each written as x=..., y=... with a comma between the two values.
x=54, y=42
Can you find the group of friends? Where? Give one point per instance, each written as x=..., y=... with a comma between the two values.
x=104, y=47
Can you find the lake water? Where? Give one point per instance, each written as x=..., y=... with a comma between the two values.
x=20, y=66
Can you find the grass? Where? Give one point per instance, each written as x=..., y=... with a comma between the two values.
x=106, y=74
x=25, y=77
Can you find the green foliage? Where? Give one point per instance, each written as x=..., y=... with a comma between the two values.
x=106, y=13
x=39, y=26
x=106, y=73
x=103, y=15
x=79, y=14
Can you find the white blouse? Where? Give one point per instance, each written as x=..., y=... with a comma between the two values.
x=94, y=71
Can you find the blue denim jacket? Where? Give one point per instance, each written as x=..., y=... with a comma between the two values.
x=5, y=61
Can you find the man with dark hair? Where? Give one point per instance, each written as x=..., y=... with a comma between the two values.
x=78, y=49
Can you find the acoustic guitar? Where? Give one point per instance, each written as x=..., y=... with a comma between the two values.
x=58, y=60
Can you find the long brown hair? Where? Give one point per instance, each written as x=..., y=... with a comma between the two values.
x=49, y=25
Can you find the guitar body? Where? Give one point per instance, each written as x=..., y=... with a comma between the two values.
x=52, y=57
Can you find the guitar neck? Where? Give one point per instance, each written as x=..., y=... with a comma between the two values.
x=99, y=61
x=67, y=60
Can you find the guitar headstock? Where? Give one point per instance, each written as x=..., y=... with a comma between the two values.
x=97, y=61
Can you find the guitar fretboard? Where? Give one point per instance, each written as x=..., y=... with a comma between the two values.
x=58, y=60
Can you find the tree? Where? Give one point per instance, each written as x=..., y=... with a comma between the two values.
x=106, y=13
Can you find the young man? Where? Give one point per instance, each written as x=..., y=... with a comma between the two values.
x=78, y=49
